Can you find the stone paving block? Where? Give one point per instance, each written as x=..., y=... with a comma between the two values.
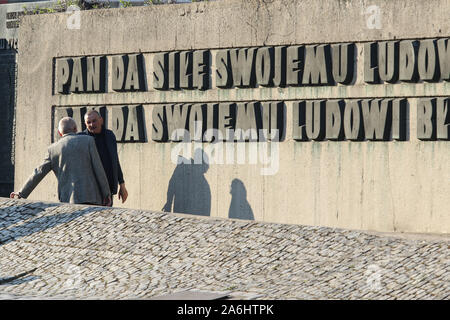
x=138, y=254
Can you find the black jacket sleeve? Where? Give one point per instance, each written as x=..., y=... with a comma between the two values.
x=114, y=156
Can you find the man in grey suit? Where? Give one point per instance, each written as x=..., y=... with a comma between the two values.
x=75, y=161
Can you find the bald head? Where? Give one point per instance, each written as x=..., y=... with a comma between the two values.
x=67, y=125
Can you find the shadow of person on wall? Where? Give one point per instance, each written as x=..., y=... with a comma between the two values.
x=239, y=206
x=188, y=190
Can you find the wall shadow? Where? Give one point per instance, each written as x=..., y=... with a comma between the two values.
x=43, y=223
x=9, y=216
x=7, y=103
x=239, y=206
x=188, y=190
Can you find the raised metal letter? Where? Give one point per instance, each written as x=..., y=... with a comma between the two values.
x=196, y=117
x=370, y=63
x=201, y=69
x=294, y=57
x=117, y=122
x=426, y=119
x=77, y=82
x=317, y=66
x=242, y=66
x=176, y=116
x=400, y=119
x=299, y=121
x=388, y=60
x=186, y=69
x=225, y=121
x=444, y=58
x=279, y=77
x=118, y=72
x=377, y=118
x=264, y=66
x=333, y=120
x=245, y=120
x=63, y=75
x=443, y=118
x=427, y=60
x=160, y=71
x=159, y=125
x=96, y=76
x=407, y=61
x=135, y=128
x=174, y=70
x=343, y=60
x=223, y=70
x=352, y=120
x=315, y=119
x=135, y=73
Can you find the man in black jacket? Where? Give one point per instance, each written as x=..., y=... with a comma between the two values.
x=105, y=140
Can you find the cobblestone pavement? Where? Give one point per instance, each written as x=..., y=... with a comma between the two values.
x=62, y=251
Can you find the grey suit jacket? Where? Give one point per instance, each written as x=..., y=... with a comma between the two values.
x=75, y=161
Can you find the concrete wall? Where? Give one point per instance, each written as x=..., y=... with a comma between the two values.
x=387, y=186
x=8, y=52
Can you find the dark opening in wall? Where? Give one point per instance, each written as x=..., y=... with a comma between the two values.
x=7, y=106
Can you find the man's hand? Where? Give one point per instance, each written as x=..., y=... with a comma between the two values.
x=107, y=201
x=123, y=193
x=14, y=194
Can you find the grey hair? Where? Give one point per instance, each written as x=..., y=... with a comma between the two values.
x=66, y=125
x=91, y=111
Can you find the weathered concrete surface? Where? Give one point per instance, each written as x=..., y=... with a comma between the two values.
x=384, y=186
x=88, y=252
